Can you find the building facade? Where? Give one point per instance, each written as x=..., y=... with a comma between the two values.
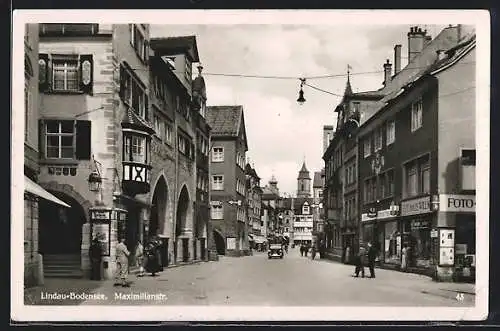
x=118, y=142
x=417, y=167
x=254, y=204
x=227, y=183
x=340, y=195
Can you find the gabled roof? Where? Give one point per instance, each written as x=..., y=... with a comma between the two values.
x=225, y=120
x=174, y=45
x=297, y=204
x=417, y=68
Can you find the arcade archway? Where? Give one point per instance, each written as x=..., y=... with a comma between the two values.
x=220, y=244
x=159, y=208
x=60, y=229
x=180, y=224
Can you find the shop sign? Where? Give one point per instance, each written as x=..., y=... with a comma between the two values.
x=100, y=215
x=446, y=256
x=457, y=203
x=420, y=224
x=386, y=213
x=434, y=233
x=416, y=206
x=365, y=217
x=215, y=203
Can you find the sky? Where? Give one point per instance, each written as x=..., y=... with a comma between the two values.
x=281, y=133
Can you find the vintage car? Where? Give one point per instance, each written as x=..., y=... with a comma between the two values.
x=275, y=250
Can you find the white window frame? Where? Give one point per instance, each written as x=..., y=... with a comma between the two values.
x=416, y=115
x=217, y=212
x=216, y=155
x=367, y=147
x=306, y=209
x=217, y=185
x=390, y=132
x=60, y=134
x=64, y=66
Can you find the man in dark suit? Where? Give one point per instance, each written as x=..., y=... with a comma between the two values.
x=372, y=255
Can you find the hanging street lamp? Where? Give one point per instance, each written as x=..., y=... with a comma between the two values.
x=301, y=98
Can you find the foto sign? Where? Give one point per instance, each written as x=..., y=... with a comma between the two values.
x=457, y=203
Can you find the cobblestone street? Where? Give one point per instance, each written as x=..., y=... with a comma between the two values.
x=255, y=280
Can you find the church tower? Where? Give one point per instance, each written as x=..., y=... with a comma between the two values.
x=273, y=185
x=304, y=183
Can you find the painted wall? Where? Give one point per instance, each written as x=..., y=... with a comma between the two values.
x=456, y=120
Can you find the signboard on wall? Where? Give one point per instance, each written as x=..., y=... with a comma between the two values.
x=446, y=256
x=416, y=206
x=231, y=243
x=447, y=238
x=101, y=231
x=457, y=203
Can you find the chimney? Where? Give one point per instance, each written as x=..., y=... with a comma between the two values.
x=416, y=41
x=387, y=72
x=397, y=59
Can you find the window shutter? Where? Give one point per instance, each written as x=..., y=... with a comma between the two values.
x=43, y=74
x=146, y=107
x=41, y=140
x=122, y=82
x=83, y=142
x=87, y=73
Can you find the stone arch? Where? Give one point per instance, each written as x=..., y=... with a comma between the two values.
x=183, y=208
x=159, y=206
x=60, y=229
x=70, y=191
x=219, y=240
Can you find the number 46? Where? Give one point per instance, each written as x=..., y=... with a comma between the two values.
x=460, y=297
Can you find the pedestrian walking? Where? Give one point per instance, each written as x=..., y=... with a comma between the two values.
x=139, y=258
x=404, y=258
x=95, y=259
x=360, y=262
x=122, y=255
x=152, y=265
x=301, y=249
x=372, y=255
x=313, y=252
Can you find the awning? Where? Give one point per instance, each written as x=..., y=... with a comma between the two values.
x=260, y=240
x=32, y=187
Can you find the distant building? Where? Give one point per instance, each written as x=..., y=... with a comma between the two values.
x=303, y=182
x=228, y=181
x=254, y=205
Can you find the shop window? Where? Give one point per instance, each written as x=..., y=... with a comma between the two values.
x=392, y=250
